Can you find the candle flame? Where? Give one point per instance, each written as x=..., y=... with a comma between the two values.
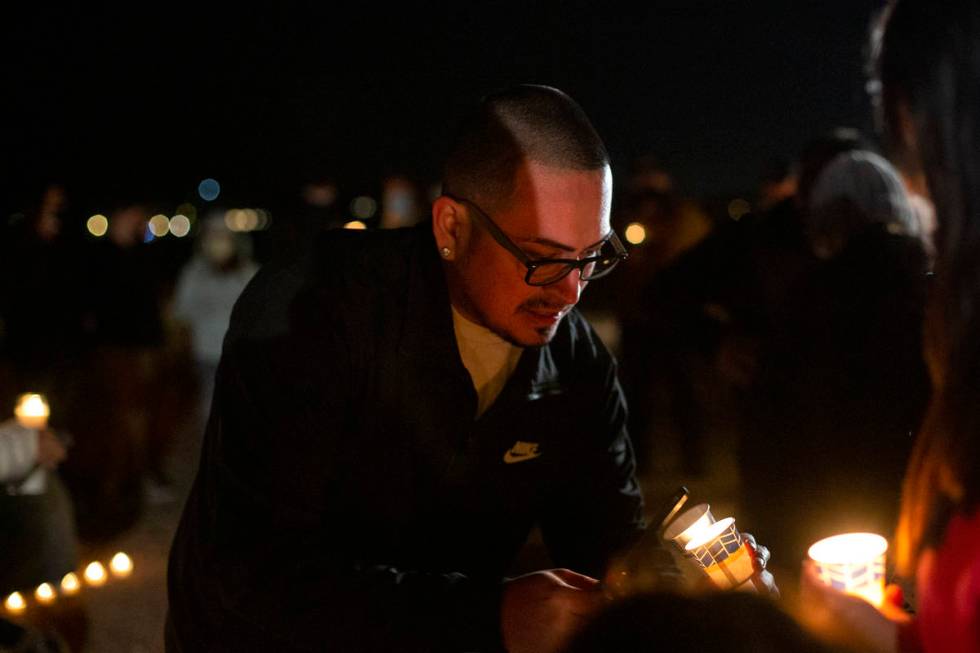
x=32, y=411
x=121, y=565
x=33, y=405
x=708, y=533
x=44, y=593
x=849, y=548
x=15, y=602
x=95, y=574
x=70, y=583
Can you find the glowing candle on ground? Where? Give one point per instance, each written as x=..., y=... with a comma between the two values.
x=15, y=603
x=45, y=593
x=853, y=563
x=121, y=565
x=95, y=574
x=32, y=411
x=70, y=584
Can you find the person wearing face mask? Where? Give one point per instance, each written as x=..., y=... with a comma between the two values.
x=206, y=292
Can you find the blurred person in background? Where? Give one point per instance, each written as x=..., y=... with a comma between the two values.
x=314, y=209
x=37, y=528
x=780, y=182
x=843, y=384
x=400, y=205
x=41, y=309
x=929, y=67
x=116, y=450
x=665, y=334
x=38, y=543
x=206, y=292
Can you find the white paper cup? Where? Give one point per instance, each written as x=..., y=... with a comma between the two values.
x=689, y=525
x=32, y=411
x=853, y=563
x=724, y=556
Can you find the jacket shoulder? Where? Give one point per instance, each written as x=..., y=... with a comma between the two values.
x=577, y=344
x=344, y=272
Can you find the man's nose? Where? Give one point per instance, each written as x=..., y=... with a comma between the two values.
x=570, y=287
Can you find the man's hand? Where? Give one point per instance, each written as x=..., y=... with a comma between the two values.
x=764, y=582
x=50, y=450
x=542, y=610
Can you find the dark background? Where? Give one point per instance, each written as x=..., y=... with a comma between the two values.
x=146, y=99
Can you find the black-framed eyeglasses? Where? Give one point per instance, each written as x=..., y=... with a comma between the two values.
x=546, y=271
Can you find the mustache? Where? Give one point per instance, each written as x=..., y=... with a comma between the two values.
x=546, y=304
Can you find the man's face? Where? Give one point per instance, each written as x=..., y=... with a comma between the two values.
x=554, y=213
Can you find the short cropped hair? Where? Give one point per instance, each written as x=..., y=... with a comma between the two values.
x=521, y=123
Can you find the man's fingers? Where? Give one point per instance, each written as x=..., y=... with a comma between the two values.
x=762, y=554
x=765, y=583
x=585, y=603
x=575, y=579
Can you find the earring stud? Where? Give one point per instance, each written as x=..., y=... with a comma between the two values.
x=446, y=252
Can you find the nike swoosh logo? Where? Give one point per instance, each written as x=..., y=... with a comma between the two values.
x=520, y=452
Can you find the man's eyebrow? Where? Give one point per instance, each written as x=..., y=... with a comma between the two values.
x=565, y=248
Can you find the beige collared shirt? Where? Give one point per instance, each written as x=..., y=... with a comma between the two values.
x=488, y=358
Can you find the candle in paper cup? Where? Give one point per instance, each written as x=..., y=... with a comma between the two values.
x=32, y=411
x=691, y=524
x=15, y=603
x=853, y=563
x=95, y=574
x=121, y=565
x=44, y=593
x=70, y=584
x=724, y=556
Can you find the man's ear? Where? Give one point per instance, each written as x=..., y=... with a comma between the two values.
x=450, y=226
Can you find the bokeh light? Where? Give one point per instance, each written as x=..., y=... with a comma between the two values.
x=95, y=574
x=179, y=225
x=44, y=593
x=15, y=603
x=121, y=565
x=363, y=207
x=209, y=189
x=636, y=233
x=187, y=209
x=355, y=224
x=737, y=208
x=70, y=583
x=97, y=225
x=159, y=225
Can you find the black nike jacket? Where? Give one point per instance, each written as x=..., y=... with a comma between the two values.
x=347, y=499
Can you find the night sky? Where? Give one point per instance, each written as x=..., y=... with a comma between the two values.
x=148, y=100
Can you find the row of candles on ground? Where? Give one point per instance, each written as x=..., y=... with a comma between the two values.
x=853, y=563
x=95, y=575
x=32, y=411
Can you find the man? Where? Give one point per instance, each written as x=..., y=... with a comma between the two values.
x=395, y=413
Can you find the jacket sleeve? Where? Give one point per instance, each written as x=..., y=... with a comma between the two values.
x=597, y=516
x=275, y=558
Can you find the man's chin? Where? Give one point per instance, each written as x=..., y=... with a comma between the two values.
x=532, y=336
x=528, y=332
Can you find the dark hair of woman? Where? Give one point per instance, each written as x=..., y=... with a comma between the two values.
x=929, y=68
